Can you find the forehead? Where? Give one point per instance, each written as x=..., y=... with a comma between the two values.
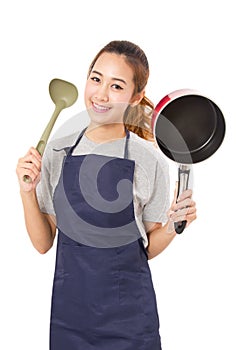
x=113, y=65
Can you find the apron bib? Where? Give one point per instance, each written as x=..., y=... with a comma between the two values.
x=103, y=297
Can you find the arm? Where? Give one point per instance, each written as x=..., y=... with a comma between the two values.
x=159, y=237
x=40, y=227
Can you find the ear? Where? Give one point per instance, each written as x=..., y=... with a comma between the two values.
x=137, y=98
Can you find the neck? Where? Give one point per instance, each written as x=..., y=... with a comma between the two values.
x=106, y=132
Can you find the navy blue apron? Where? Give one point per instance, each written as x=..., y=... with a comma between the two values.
x=103, y=297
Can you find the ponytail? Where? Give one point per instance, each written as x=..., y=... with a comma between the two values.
x=138, y=119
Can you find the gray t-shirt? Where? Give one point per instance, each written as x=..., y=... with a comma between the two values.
x=151, y=175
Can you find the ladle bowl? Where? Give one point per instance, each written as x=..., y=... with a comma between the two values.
x=63, y=94
x=61, y=90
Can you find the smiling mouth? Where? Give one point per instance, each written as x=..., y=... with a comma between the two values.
x=100, y=109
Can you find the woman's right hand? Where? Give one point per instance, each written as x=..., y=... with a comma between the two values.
x=29, y=165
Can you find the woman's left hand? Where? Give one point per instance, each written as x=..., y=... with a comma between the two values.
x=182, y=209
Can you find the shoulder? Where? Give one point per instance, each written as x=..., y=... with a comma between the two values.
x=56, y=149
x=63, y=142
x=146, y=151
x=139, y=141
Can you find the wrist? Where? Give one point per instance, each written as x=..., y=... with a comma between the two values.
x=170, y=227
x=28, y=194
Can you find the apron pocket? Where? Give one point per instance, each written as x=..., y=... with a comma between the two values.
x=130, y=262
x=90, y=276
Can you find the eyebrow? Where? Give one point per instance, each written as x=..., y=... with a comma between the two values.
x=113, y=78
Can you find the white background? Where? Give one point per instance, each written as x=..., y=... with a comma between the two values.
x=190, y=44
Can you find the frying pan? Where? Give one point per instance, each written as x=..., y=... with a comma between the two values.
x=188, y=128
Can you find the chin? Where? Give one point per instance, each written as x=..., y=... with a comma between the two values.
x=102, y=119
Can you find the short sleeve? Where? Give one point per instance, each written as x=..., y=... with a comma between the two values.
x=157, y=206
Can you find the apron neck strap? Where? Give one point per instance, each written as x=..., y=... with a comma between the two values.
x=76, y=142
x=126, y=154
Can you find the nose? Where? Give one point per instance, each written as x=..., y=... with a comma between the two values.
x=101, y=94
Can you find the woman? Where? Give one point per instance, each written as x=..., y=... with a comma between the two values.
x=106, y=192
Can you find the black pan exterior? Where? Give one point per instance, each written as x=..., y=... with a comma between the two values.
x=189, y=129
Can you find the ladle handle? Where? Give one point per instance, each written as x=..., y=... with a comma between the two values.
x=47, y=131
x=183, y=182
x=40, y=148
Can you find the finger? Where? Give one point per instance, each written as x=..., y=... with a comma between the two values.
x=180, y=219
x=184, y=203
x=179, y=215
x=185, y=194
x=191, y=210
x=176, y=190
x=30, y=159
x=188, y=214
x=191, y=218
x=184, y=211
x=28, y=173
x=175, y=195
x=31, y=168
x=35, y=152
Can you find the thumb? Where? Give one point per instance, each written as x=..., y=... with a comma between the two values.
x=175, y=192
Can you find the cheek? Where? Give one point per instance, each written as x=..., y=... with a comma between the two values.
x=88, y=91
x=120, y=107
x=85, y=92
x=122, y=99
x=121, y=103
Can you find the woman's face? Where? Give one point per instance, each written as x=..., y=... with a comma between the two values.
x=109, y=89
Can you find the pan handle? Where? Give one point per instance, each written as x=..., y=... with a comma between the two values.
x=180, y=226
x=183, y=182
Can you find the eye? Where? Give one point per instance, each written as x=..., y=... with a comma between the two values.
x=117, y=87
x=95, y=79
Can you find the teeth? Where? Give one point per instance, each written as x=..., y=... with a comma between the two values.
x=101, y=108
